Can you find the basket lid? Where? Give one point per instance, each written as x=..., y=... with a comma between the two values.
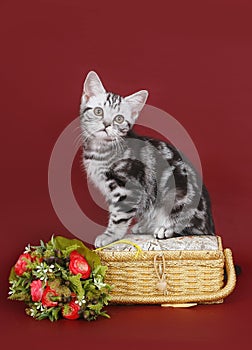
x=149, y=243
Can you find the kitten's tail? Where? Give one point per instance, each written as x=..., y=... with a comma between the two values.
x=238, y=271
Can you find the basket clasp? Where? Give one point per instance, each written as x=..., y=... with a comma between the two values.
x=160, y=272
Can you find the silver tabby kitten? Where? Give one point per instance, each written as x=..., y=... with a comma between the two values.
x=144, y=180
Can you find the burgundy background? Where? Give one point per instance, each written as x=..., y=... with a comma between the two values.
x=195, y=58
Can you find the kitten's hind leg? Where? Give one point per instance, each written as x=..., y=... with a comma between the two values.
x=156, y=223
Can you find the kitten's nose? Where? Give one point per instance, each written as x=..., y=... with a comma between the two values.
x=105, y=123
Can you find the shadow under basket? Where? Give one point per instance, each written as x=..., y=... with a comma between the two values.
x=169, y=277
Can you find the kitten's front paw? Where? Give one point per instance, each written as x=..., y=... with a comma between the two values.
x=163, y=232
x=103, y=240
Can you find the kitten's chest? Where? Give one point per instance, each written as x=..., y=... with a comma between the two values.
x=96, y=169
x=96, y=172
x=98, y=165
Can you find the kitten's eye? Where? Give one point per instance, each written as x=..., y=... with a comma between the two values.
x=119, y=119
x=98, y=111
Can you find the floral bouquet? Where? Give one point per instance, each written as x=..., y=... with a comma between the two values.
x=61, y=278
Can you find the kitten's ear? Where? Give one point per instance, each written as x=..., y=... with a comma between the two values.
x=137, y=100
x=93, y=85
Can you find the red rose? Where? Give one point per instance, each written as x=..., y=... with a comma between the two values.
x=46, y=297
x=78, y=264
x=36, y=290
x=21, y=265
x=74, y=254
x=71, y=311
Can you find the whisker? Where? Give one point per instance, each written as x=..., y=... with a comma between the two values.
x=77, y=128
x=78, y=141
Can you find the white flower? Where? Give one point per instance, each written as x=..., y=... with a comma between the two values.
x=80, y=302
x=32, y=312
x=98, y=283
x=12, y=288
x=27, y=248
x=42, y=270
x=39, y=267
x=51, y=267
x=39, y=306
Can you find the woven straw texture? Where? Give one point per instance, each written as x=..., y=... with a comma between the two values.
x=185, y=276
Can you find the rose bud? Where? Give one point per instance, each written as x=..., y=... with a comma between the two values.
x=78, y=264
x=47, y=296
x=71, y=311
x=36, y=290
x=21, y=265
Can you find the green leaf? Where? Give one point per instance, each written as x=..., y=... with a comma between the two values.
x=55, y=313
x=42, y=244
x=76, y=285
x=13, y=276
x=20, y=296
x=100, y=270
x=104, y=314
x=96, y=307
x=52, y=313
x=42, y=316
x=62, y=243
x=66, y=252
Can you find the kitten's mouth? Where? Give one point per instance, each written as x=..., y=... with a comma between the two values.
x=103, y=135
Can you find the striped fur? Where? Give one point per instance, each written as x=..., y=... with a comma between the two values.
x=143, y=180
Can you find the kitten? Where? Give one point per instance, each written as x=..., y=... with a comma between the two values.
x=143, y=179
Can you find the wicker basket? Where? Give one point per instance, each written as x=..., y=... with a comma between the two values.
x=173, y=277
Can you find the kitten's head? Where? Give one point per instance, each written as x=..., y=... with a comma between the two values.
x=106, y=116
